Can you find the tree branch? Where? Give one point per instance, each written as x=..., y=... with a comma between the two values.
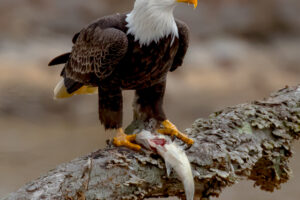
x=250, y=141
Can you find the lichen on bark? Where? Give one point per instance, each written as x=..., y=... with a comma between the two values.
x=247, y=141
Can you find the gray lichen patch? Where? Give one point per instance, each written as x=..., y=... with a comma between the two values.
x=249, y=140
x=246, y=128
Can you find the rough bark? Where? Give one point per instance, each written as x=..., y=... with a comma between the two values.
x=248, y=141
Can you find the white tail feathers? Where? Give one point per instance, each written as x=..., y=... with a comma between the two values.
x=60, y=91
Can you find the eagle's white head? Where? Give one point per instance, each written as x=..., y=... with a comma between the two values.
x=151, y=20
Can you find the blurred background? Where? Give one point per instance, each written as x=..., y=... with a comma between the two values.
x=241, y=50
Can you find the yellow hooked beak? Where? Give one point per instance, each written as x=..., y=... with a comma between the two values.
x=194, y=2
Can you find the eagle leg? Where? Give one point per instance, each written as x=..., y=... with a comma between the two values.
x=124, y=140
x=171, y=129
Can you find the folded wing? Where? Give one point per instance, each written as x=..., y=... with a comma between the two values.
x=96, y=53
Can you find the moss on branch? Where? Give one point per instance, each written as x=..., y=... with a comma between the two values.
x=251, y=141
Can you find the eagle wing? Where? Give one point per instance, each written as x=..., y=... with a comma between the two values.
x=184, y=38
x=96, y=51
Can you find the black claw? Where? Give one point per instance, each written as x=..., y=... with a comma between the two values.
x=173, y=137
x=188, y=146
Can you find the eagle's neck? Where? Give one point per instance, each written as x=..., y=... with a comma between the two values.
x=148, y=23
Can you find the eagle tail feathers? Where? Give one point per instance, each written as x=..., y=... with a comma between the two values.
x=60, y=59
x=61, y=92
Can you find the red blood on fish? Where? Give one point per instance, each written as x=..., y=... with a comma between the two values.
x=159, y=141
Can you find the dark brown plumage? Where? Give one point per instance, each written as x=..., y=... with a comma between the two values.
x=104, y=56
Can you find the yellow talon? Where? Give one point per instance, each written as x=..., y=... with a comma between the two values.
x=170, y=129
x=125, y=140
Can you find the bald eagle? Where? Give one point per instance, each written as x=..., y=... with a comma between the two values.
x=132, y=51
